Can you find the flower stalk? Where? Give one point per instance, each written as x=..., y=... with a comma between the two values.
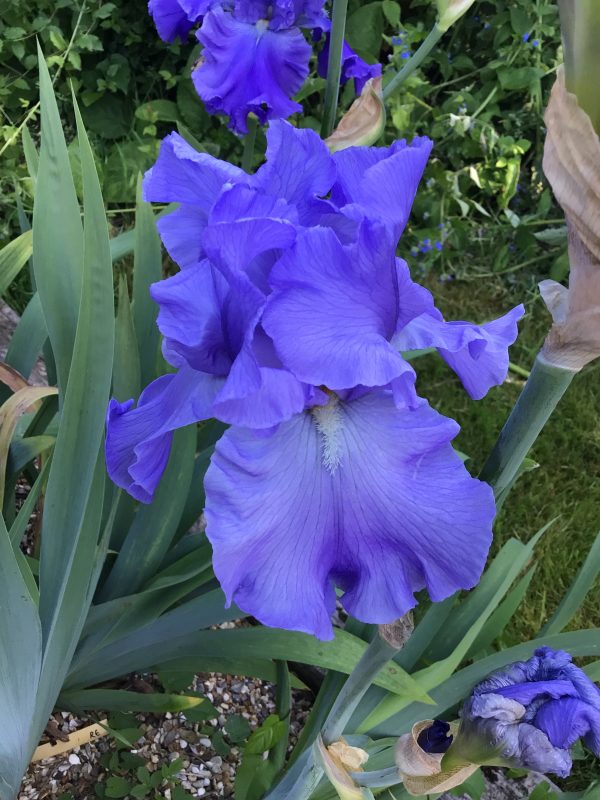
x=301, y=781
x=544, y=389
x=334, y=66
x=435, y=34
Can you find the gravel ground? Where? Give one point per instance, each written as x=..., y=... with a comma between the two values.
x=204, y=773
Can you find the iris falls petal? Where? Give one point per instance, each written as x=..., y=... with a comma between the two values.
x=355, y=494
x=249, y=68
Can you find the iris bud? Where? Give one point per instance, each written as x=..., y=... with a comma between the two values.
x=528, y=715
x=419, y=758
x=338, y=760
x=451, y=10
x=364, y=122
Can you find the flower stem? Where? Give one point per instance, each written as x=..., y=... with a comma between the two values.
x=249, y=142
x=376, y=656
x=304, y=776
x=540, y=396
x=435, y=34
x=334, y=66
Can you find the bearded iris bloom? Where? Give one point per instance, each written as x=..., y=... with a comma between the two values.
x=288, y=321
x=255, y=58
x=530, y=714
x=175, y=18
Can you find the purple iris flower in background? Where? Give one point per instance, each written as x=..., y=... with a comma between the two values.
x=353, y=66
x=288, y=320
x=529, y=714
x=175, y=18
x=255, y=58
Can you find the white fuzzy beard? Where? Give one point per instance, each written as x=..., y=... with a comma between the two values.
x=329, y=422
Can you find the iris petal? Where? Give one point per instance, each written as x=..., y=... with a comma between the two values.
x=381, y=181
x=249, y=68
x=564, y=721
x=333, y=310
x=358, y=494
x=138, y=440
x=195, y=180
x=299, y=166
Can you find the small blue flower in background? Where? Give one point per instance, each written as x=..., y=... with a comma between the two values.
x=526, y=36
x=353, y=66
x=405, y=54
x=536, y=43
x=288, y=321
x=529, y=714
x=255, y=58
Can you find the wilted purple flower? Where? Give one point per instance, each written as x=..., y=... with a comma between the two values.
x=175, y=18
x=255, y=58
x=288, y=320
x=353, y=66
x=529, y=714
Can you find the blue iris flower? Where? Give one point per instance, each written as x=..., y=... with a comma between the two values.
x=175, y=18
x=529, y=714
x=288, y=320
x=255, y=58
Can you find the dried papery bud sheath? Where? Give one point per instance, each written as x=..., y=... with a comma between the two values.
x=572, y=166
x=449, y=11
x=364, y=122
x=421, y=770
x=580, y=25
x=397, y=633
x=337, y=761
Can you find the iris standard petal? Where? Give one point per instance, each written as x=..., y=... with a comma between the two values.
x=299, y=167
x=357, y=494
x=381, y=181
x=138, y=440
x=245, y=226
x=477, y=353
x=526, y=693
x=564, y=721
x=195, y=180
x=483, y=363
x=333, y=310
x=249, y=68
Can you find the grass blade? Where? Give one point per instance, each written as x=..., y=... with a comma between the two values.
x=584, y=581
